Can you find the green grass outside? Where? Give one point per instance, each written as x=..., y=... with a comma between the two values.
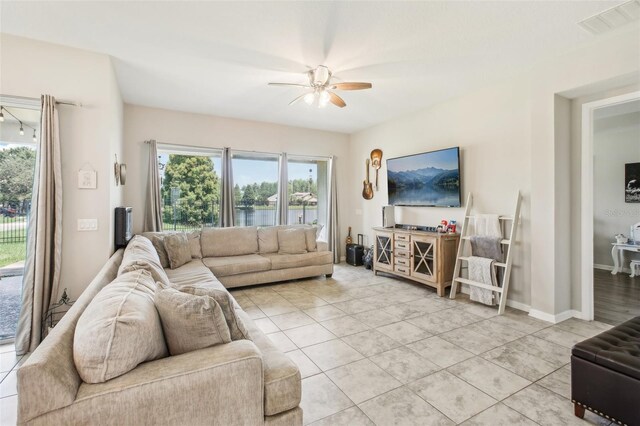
x=12, y=253
x=16, y=219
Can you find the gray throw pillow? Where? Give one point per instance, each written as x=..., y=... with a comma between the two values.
x=311, y=237
x=190, y=322
x=292, y=241
x=178, y=249
x=237, y=329
x=156, y=239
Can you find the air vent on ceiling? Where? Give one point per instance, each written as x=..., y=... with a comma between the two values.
x=613, y=17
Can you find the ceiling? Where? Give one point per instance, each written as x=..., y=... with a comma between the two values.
x=217, y=57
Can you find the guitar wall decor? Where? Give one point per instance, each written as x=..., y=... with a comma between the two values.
x=367, y=191
x=376, y=162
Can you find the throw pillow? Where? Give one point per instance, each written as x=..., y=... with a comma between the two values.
x=194, y=244
x=190, y=322
x=178, y=249
x=156, y=239
x=141, y=254
x=119, y=329
x=292, y=241
x=310, y=236
x=237, y=328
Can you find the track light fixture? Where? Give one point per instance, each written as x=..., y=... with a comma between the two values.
x=35, y=139
x=1, y=114
x=21, y=129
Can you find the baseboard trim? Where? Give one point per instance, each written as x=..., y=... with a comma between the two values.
x=554, y=319
x=510, y=303
x=610, y=268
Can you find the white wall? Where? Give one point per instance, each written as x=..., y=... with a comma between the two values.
x=174, y=127
x=491, y=127
x=616, y=141
x=88, y=135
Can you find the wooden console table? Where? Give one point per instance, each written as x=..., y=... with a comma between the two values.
x=425, y=257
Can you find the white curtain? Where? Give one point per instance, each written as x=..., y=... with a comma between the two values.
x=227, y=208
x=282, y=209
x=333, y=236
x=153, y=208
x=44, y=242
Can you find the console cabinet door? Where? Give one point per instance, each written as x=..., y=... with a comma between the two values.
x=424, y=262
x=383, y=254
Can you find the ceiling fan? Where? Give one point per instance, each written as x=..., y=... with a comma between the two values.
x=321, y=88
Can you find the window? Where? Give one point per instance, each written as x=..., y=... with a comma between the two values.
x=190, y=187
x=19, y=132
x=255, y=180
x=308, y=190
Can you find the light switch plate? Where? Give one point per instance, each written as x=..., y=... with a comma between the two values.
x=87, y=224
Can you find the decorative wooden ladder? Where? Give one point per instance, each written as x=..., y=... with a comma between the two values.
x=505, y=266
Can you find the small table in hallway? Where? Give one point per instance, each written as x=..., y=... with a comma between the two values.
x=617, y=253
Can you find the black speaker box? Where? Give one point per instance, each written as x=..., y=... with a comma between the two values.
x=354, y=254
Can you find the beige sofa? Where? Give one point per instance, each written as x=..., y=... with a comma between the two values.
x=244, y=382
x=249, y=255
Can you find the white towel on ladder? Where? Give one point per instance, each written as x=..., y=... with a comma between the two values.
x=487, y=225
x=482, y=270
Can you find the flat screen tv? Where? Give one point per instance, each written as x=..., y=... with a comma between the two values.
x=430, y=179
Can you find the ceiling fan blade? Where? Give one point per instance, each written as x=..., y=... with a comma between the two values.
x=298, y=98
x=337, y=100
x=289, y=84
x=351, y=86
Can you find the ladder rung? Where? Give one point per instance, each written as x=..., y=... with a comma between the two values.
x=499, y=217
x=500, y=264
x=507, y=242
x=478, y=284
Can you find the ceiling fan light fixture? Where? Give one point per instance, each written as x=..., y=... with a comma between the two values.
x=323, y=99
x=309, y=98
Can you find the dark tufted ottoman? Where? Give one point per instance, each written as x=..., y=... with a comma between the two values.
x=605, y=374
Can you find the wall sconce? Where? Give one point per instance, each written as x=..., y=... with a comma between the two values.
x=120, y=172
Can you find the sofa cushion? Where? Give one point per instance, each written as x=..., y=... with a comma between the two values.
x=292, y=241
x=119, y=329
x=286, y=261
x=194, y=244
x=191, y=273
x=156, y=239
x=227, y=303
x=235, y=265
x=178, y=249
x=311, y=236
x=268, y=239
x=218, y=242
x=190, y=322
x=141, y=254
x=282, y=382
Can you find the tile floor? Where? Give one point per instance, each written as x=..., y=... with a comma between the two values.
x=374, y=350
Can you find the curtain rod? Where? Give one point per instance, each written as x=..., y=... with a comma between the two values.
x=26, y=98
x=319, y=157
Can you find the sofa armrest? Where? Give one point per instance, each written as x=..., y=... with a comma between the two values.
x=218, y=385
x=322, y=245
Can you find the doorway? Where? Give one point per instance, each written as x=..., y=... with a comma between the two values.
x=19, y=132
x=611, y=209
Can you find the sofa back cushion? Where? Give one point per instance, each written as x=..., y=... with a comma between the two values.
x=292, y=241
x=141, y=254
x=311, y=235
x=194, y=244
x=119, y=329
x=178, y=249
x=229, y=241
x=156, y=239
x=268, y=239
x=190, y=322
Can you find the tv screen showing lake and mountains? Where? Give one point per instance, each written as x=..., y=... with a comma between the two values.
x=428, y=179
